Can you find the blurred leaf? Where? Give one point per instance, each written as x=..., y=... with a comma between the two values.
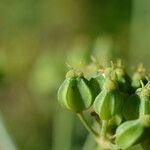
x=6, y=142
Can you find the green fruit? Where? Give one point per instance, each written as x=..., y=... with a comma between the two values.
x=75, y=94
x=129, y=133
x=137, y=104
x=131, y=107
x=109, y=102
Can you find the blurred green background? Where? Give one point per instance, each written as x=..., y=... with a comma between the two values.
x=37, y=39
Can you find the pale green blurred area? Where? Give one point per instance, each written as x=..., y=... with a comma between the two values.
x=37, y=39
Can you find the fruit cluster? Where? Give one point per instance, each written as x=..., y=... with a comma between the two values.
x=120, y=104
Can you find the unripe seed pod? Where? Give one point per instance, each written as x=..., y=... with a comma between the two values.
x=109, y=102
x=129, y=133
x=131, y=107
x=74, y=93
x=137, y=104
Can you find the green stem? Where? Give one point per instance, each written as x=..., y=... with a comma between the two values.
x=104, y=129
x=86, y=124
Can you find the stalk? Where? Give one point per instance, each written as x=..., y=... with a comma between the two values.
x=104, y=129
x=87, y=125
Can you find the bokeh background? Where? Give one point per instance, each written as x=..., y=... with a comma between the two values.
x=37, y=39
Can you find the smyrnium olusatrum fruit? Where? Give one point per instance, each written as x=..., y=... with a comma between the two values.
x=119, y=103
x=110, y=100
x=75, y=93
